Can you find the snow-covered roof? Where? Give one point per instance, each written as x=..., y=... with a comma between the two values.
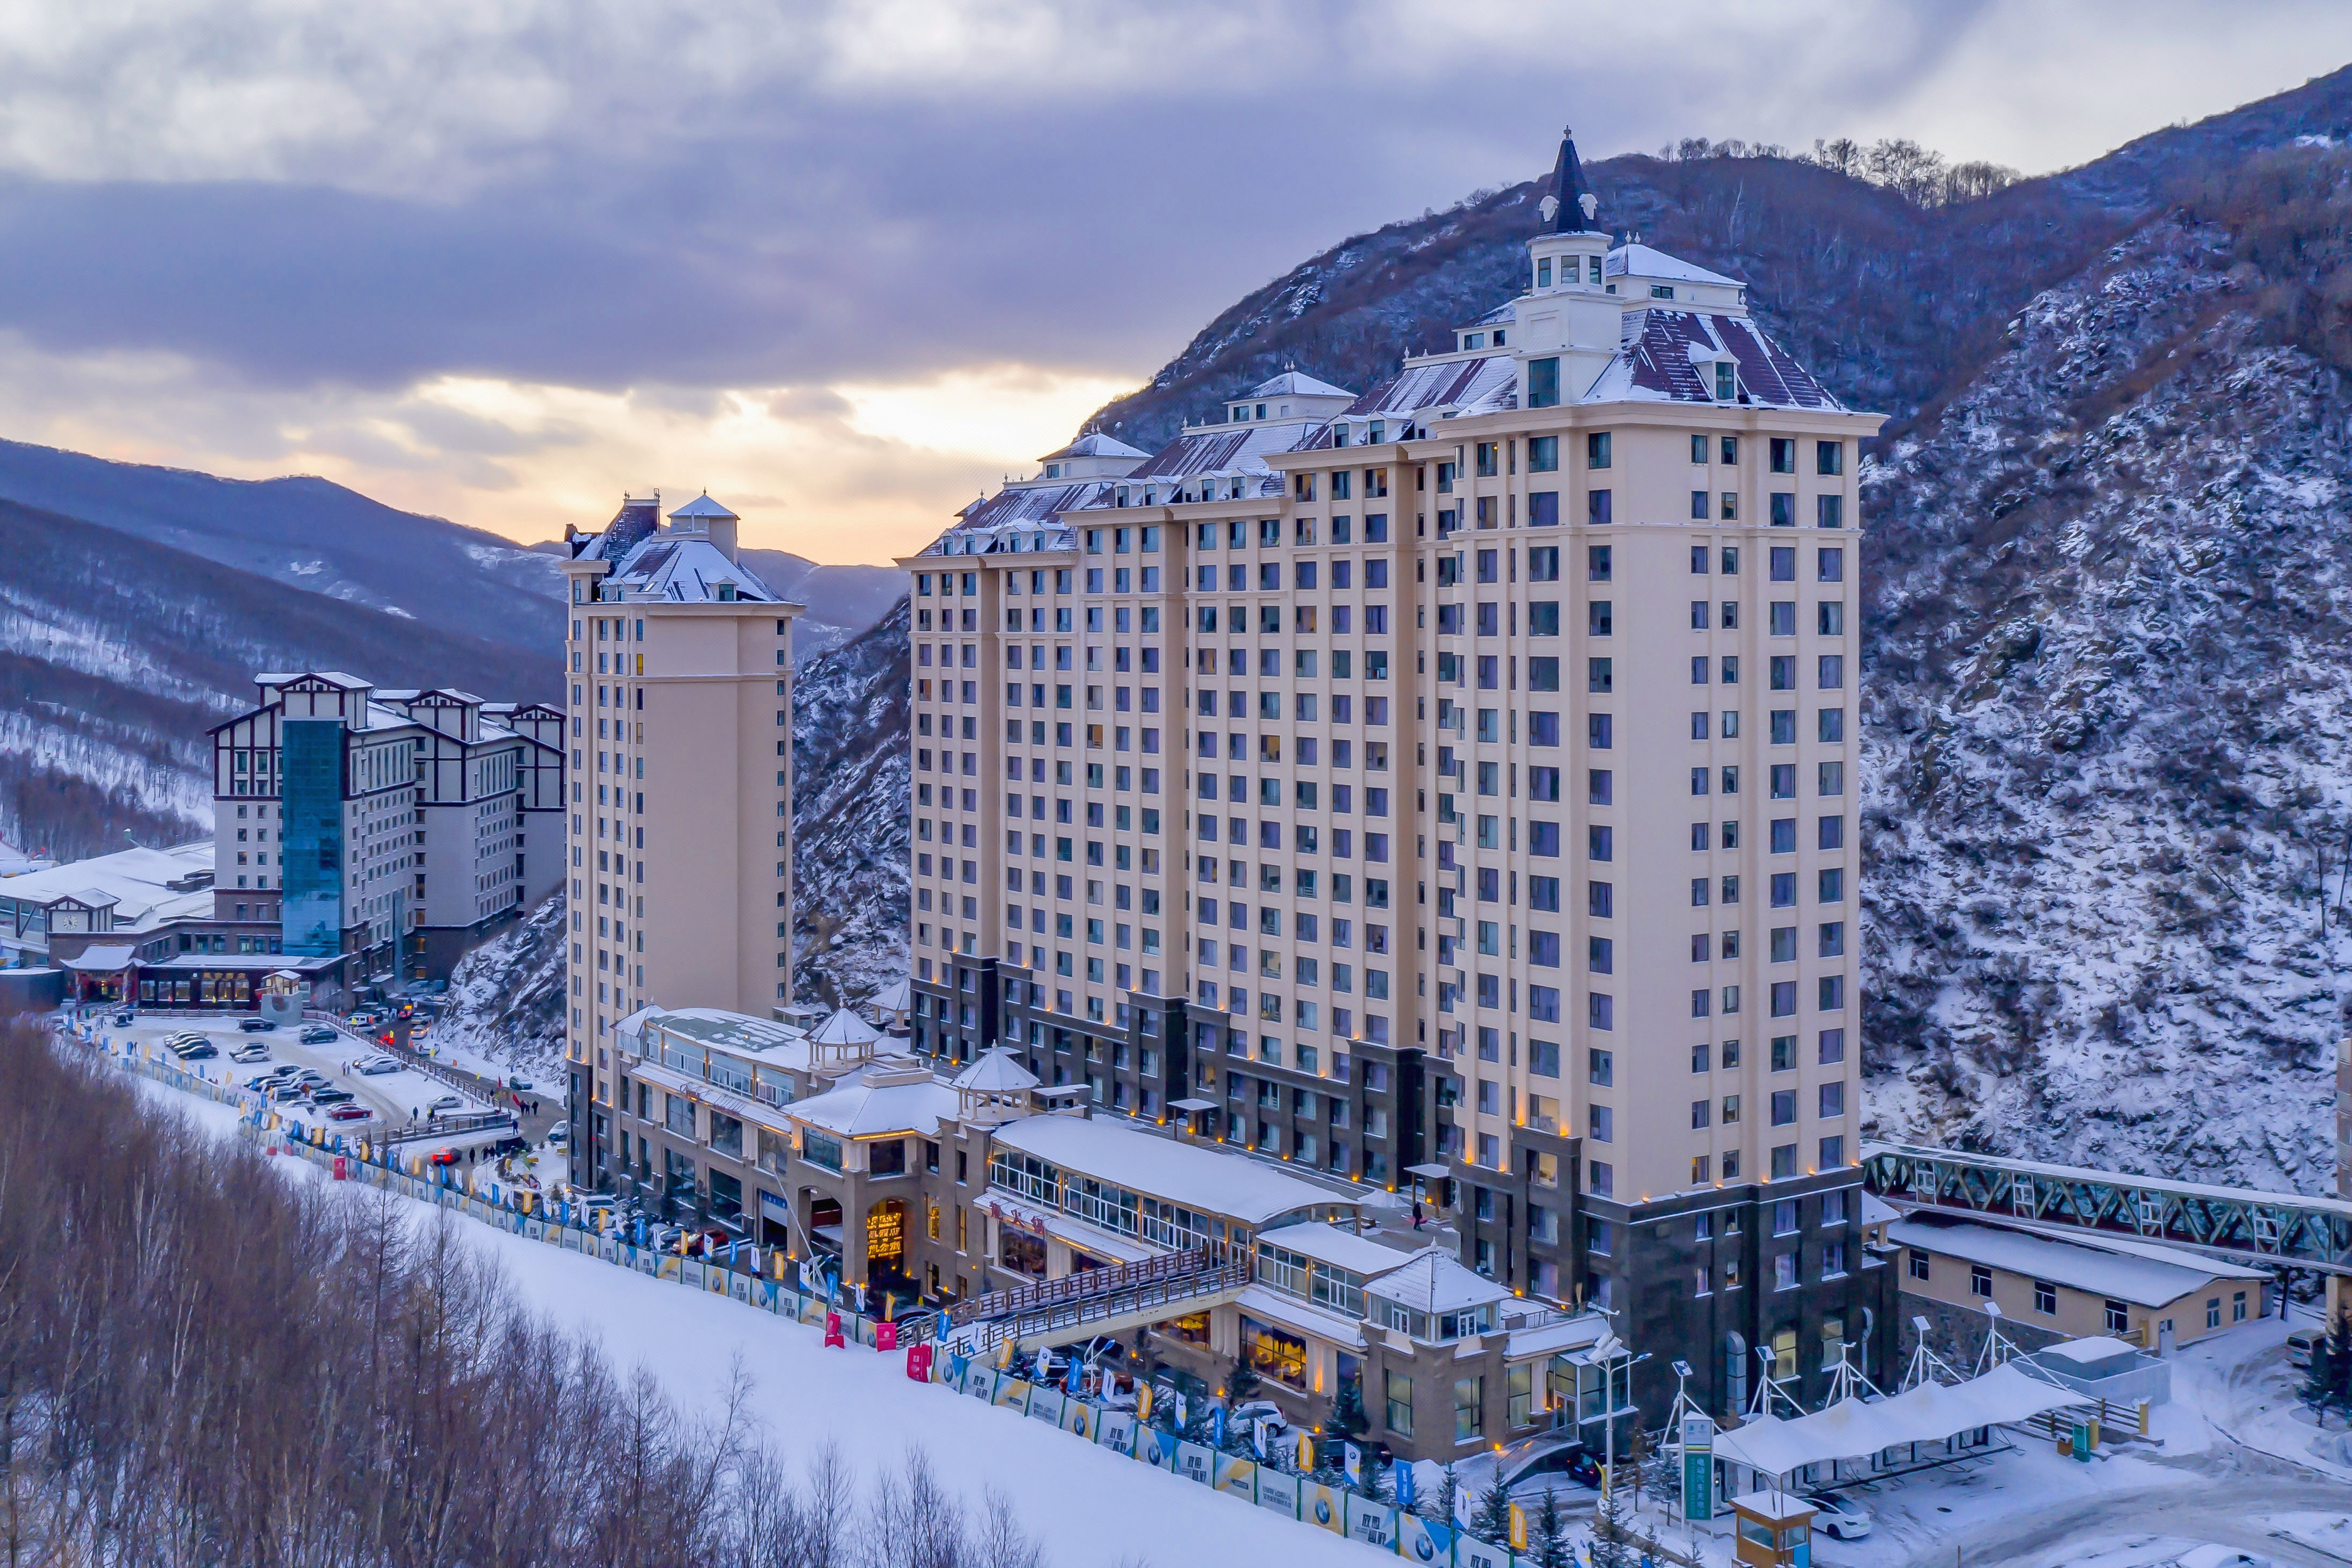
x=1340, y=1248
x=702, y=506
x=998, y=1071
x=685, y=570
x=1095, y=444
x=1187, y=1173
x=721, y=1030
x=1458, y=386
x=328, y=676
x=1655, y=363
x=1296, y=383
x=1435, y=1282
x=1877, y=1210
x=2136, y=1276
x=860, y=1107
x=1644, y=261
x=2099, y=1348
x=1232, y=449
x=102, y=958
x=1924, y=1413
x=138, y=881
x=1264, y=1303
x=894, y=997
x=844, y=1029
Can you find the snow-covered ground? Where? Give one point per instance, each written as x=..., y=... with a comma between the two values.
x=2226, y=1469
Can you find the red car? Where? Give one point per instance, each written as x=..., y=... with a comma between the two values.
x=445, y=1157
x=349, y=1113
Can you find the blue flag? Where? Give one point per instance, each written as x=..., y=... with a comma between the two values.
x=1405, y=1484
x=1217, y=1428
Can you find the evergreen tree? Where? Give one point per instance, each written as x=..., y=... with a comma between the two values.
x=1241, y=1384
x=1441, y=1504
x=1347, y=1417
x=2339, y=1346
x=1491, y=1521
x=1547, y=1541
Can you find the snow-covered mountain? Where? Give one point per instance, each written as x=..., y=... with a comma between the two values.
x=849, y=863
x=117, y=655
x=2108, y=733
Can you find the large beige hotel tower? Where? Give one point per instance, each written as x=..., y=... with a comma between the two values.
x=1450, y=788
x=678, y=675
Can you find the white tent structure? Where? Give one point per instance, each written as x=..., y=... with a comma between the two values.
x=1869, y=1431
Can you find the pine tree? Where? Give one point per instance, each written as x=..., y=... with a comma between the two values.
x=1241, y=1383
x=1547, y=1541
x=1491, y=1523
x=1441, y=1504
x=1347, y=1417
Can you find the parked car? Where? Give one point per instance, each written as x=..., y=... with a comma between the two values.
x=349, y=1113
x=520, y=1085
x=318, y=1034
x=285, y=1094
x=122, y=1020
x=1837, y=1518
x=375, y=1067
x=179, y=1038
x=331, y=1096
x=444, y=1102
x=560, y=1134
x=250, y=1055
x=2300, y=1344
x=203, y=1050
x=256, y=1025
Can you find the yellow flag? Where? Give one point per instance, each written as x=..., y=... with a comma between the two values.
x=1144, y=1403
x=1518, y=1528
x=1306, y=1452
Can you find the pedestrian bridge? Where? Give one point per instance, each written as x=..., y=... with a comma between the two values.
x=1096, y=1302
x=2243, y=1225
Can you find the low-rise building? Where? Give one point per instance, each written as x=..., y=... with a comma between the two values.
x=898, y=1183
x=2051, y=1288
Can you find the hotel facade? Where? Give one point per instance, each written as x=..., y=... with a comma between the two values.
x=1449, y=788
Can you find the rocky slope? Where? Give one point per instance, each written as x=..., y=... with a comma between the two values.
x=850, y=834
x=2107, y=729
x=850, y=816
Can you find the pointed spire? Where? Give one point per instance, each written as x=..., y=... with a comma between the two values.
x=1569, y=200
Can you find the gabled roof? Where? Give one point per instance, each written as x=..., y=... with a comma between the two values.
x=2148, y=1274
x=1643, y=262
x=1435, y=1282
x=1296, y=383
x=703, y=506
x=1095, y=444
x=1654, y=363
x=893, y=997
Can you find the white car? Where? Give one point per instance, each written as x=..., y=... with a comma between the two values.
x=250, y=1053
x=1838, y=1519
x=375, y=1067
x=559, y=1134
x=444, y=1102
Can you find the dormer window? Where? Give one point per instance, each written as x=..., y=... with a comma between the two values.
x=1474, y=340
x=1241, y=412
x=1727, y=381
x=1261, y=411
x=1053, y=471
x=1662, y=290
x=1339, y=435
x=1376, y=432
x=725, y=592
x=1498, y=337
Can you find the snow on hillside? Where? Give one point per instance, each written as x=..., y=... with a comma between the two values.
x=2108, y=738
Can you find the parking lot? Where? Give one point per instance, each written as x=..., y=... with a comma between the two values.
x=396, y=1099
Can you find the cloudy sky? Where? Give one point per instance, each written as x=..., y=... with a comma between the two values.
x=844, y=264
